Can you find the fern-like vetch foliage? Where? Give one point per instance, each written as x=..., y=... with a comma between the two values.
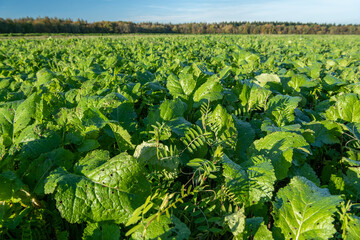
x=195, y=138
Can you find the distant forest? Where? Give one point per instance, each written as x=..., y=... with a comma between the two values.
x=56, y=25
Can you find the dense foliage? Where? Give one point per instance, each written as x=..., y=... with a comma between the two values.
x=56, y=25
x=180, y=138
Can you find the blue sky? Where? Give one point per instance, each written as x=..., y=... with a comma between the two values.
x=182, y=11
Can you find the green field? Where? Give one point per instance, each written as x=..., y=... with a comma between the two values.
x=180, y=137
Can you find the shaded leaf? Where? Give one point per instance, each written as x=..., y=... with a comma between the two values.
x=101, y=189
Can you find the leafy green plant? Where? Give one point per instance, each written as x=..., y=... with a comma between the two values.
x=196, y=137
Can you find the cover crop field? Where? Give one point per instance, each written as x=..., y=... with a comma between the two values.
x=180, y=137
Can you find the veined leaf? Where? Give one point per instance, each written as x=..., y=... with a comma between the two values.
x=263, y=174
x=258, y=96
x=101, y=230
x=221, y=120
x=93, y=117
x=14, y=120
x=347, y=108
x=280, y=148
x=211, y=90
x=182, y=86
x=266, y=78
x=171, y=109
x=101, y=189
x=179, y=126
x=352, y=179
x=306, y=171
x=165, y=228
x=10, y=184
x=122, y=136
x=325, y=132
x=6, y=125
x=280, y=109
x=304, y=211
x=245, y=137
x=332, y=83
x=300, y=81
x=254, y=184
x=25, y=112
x=263, y=233
x=236, y=222
x=44, y=76
x=146, y=154
x=353, y=228
x=38, y=170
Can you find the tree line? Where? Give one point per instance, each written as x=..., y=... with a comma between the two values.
x=57, y=25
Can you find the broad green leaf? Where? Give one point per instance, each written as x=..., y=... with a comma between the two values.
x=251, y=227
x=88, y=145
x=316, y=68
x=93, y=117
x=163, y=228
x=122, y=136
x=101, y=189
x=28, y=134
x=25, y=112
x=336, y=183
x=34, y=148
x=354, y=129
x=171, y=109
x=125, y=114
x=258, y=97
x=221, y=120
x=262, y=173
x=352, y=179
x=255, y=228
x=269, y=127
x=280, y=109
x=2, y=148
x=305, y=171
x=263, y=233
x=301, y=81
x=101, y=230
x=346, y=108
x=232, y=170
x=267, y=78
x=251, y=95
x=121, y=172
x=325, y=132
x=182, y=86
x=304, y=211
x=280, y=148
x=10, y=184
x=236, y=222
x=112, y=101
x=353, y=228
x=146, y=154
x=4, y=83
x=245, y=137
x=40, y=168
x=331, y=83
x=6, y=125
x=44, y=76
x=254, y=184
x=211, y=90
x=179, y=126
x=242, y=89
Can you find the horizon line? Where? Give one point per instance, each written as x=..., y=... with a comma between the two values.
x=179, y=23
